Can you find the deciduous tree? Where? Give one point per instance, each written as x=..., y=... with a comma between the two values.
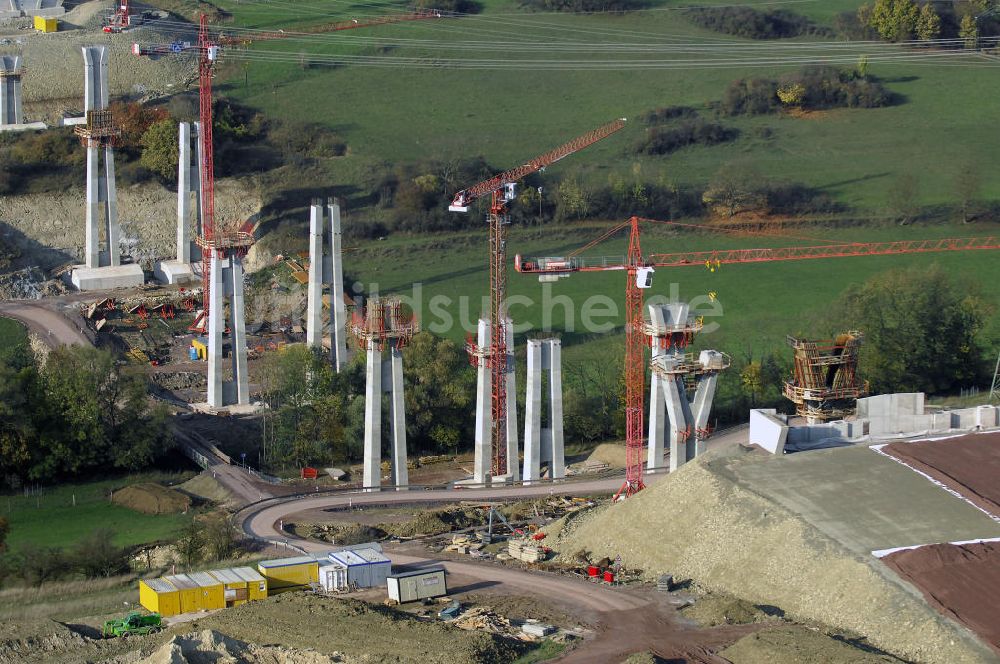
x=929, y=23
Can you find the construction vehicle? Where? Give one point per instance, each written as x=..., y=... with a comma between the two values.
x=133, y=623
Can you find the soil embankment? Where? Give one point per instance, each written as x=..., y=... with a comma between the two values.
x=700, y=523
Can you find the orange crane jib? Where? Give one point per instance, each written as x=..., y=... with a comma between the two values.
x=465, y=197
x=564, y=265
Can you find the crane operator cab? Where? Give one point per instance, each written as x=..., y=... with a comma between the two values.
x=644, y=277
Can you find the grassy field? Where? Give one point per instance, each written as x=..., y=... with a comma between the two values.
x=50, y=519
x=13, y=338
x=389, y=114
x=516, y=109
x=760, y=304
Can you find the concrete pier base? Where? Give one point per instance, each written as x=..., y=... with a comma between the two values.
x=109, y=277
x=173, y=272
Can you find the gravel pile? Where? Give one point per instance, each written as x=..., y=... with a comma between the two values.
x=698, y=523
x=211, y=647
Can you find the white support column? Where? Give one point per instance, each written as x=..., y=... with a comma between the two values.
x=111, y=208
x=184, y=193
x=10, y=90
x=92, y=250
x=372, y=468
x=513, y=448
x=397, y=409
x=237, y=331
x=314, y=302
x=198, y=181
x=216, y=327
x=533, y=412
x=483, y=463
x=657, y=413
x=557, y=465
x=702, y=406
x=678, y=413
x=338, y=310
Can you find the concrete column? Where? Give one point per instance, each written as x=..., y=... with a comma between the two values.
x=111, y=208
x=372, y=475
x=701, y=407
x=338, y=311
x=397, y=409
x=238, y=332
x=10, y=90
x=679, y=414
x=184, y=192
x=533, y=412
x=216, y=327
x=314, y=301
x=513, y=448
x=198, y=181
x=657, y=413
x=557, y=466
x=483, y=463
x=92, y=250
x=95, y=80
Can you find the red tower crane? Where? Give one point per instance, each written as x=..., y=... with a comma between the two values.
x=501, y=190
x=120, y=19
x=639, y=269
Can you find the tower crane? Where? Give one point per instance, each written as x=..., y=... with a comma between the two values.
x=501, y=190
x=639, y=270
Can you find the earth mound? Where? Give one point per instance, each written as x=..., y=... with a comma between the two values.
x=150, y=498
x=211, y=647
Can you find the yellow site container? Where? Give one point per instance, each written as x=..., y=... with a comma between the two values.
x=210, y=592
x=187, y=590
x=241, y=585
x=285, y=574
x=159, y=596
x=43, y=24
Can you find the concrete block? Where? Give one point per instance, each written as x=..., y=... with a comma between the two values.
x=986, y=417
x=767, y=431
x=173, y=272
x=106, y=278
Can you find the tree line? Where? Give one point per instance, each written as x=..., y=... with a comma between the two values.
x=79, y=413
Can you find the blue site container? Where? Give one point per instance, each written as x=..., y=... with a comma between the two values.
x=193, y=354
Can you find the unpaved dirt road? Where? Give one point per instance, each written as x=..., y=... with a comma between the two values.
x=624, y=621
x=50, y=326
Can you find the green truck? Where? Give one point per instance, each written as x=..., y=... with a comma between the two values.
x=133, y=623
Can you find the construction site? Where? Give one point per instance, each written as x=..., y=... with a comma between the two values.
x=389, y=490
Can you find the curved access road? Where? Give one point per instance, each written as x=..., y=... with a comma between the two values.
x=53, y=328
x=624, y=620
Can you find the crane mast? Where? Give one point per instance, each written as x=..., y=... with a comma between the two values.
x=501, y=189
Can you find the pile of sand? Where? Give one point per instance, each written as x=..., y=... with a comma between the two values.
x=150, y=498
x=206, y=487
x=713, y=610
x=211, y=647
x=612, y=454
x=699, y=523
